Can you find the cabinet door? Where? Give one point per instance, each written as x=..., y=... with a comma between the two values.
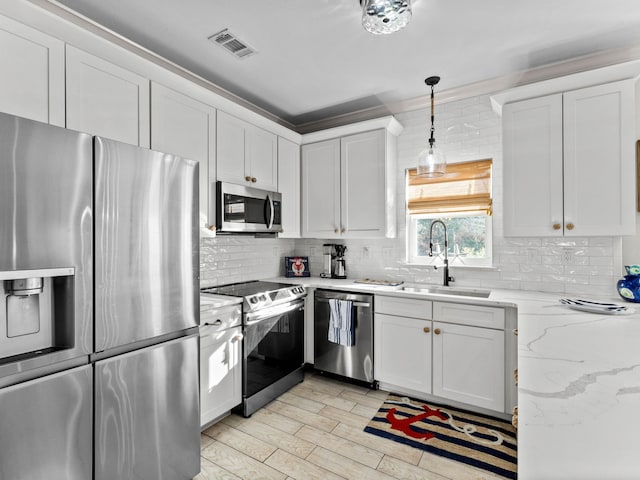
x=33, y=86
x=533, y=191
x=321, y=189
x=468, y=365
x=363, y=185
x=261, y=162
x=220, y=373
x=599, y=160
x=186, y=127
x=402, y=352
x=289, y=187
x=231, y=149
x=107, y=100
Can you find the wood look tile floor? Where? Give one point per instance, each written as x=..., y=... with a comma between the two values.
x=315, y=431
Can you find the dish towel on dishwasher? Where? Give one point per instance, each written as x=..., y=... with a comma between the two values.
x=341, y=323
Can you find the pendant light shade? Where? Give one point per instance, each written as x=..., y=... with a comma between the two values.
x=385, y=16
x=432, y=161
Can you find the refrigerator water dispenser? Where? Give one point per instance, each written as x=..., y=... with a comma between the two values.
x=34, y=311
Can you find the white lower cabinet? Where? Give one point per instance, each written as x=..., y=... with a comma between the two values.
x=468, y=365
x=402, y=352
x=441, y=351
x=220, y=364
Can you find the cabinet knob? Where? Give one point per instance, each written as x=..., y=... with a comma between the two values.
x=426, y=329
x=570, y=226
x=557, y=226
x=343, y=230
x=515, y=332
x=247, y=178
x=437, y=331
x=254, y=179
x=336, y=231
x=212, y=228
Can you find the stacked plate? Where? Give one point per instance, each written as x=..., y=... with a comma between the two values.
x=596, y=307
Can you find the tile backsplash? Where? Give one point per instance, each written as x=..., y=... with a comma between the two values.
x=232, y=259
x=466, y=130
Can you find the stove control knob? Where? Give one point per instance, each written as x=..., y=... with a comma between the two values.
x=253, y=300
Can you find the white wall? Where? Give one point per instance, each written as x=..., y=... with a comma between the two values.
x=470, y=130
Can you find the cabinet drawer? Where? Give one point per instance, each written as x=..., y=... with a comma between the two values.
x=221, y=318
x=474, y=315
x=403, y=307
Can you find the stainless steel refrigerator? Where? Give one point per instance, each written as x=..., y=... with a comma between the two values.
x=98, y=322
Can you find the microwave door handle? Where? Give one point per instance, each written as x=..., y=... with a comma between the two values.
x=271, y=213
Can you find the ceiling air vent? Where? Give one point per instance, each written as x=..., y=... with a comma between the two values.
x=234, y=45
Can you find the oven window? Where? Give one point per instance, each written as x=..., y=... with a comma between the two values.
x=273, y=348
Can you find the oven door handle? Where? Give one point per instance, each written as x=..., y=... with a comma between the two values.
x=257, y=317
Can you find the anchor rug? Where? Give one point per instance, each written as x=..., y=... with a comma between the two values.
x=478, y=440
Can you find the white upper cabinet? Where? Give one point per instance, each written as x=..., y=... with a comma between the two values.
x=363, y=181
x=321, y=189
x=184, y=126
x=289, y=187
x=348, y=186
x=569, y=163
x=105, y=99
x=246, y=155
x=32, y=80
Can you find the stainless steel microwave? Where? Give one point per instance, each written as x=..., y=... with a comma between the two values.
x=241, y=209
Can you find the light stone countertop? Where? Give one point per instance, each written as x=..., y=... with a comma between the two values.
x=579, y=383
x=210, y=301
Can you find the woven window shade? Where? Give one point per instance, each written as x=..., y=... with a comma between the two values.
x=465, y=187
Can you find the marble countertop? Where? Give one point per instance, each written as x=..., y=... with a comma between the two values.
x=210, y=301
x=579, y=383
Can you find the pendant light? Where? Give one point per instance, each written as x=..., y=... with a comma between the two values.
x=385, y=16
x=432, y=161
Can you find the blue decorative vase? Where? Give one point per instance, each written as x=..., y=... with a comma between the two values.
x=629, y=286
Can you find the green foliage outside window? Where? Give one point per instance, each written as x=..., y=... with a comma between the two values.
x=467, y=236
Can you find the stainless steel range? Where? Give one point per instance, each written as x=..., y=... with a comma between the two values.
x=273, y=343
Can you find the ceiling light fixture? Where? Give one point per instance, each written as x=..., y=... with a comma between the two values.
x=385, y=16
x=432, y=161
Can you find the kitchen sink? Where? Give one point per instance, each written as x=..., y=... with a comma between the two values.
x=456, y=291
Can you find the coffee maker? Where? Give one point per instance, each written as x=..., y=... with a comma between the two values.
x=339, y=270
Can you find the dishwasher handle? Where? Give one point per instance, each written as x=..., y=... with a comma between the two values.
x=354, y=303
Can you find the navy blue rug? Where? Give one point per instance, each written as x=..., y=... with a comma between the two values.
x=478, y=440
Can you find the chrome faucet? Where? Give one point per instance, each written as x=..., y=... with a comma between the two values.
x=447, y=278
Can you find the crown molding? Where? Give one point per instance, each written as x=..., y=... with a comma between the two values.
x=602, y=60
x=491, y=86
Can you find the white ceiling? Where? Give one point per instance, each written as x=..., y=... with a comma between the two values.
x=315, y=61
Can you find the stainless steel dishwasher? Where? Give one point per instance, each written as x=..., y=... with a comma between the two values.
x=355, y=362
